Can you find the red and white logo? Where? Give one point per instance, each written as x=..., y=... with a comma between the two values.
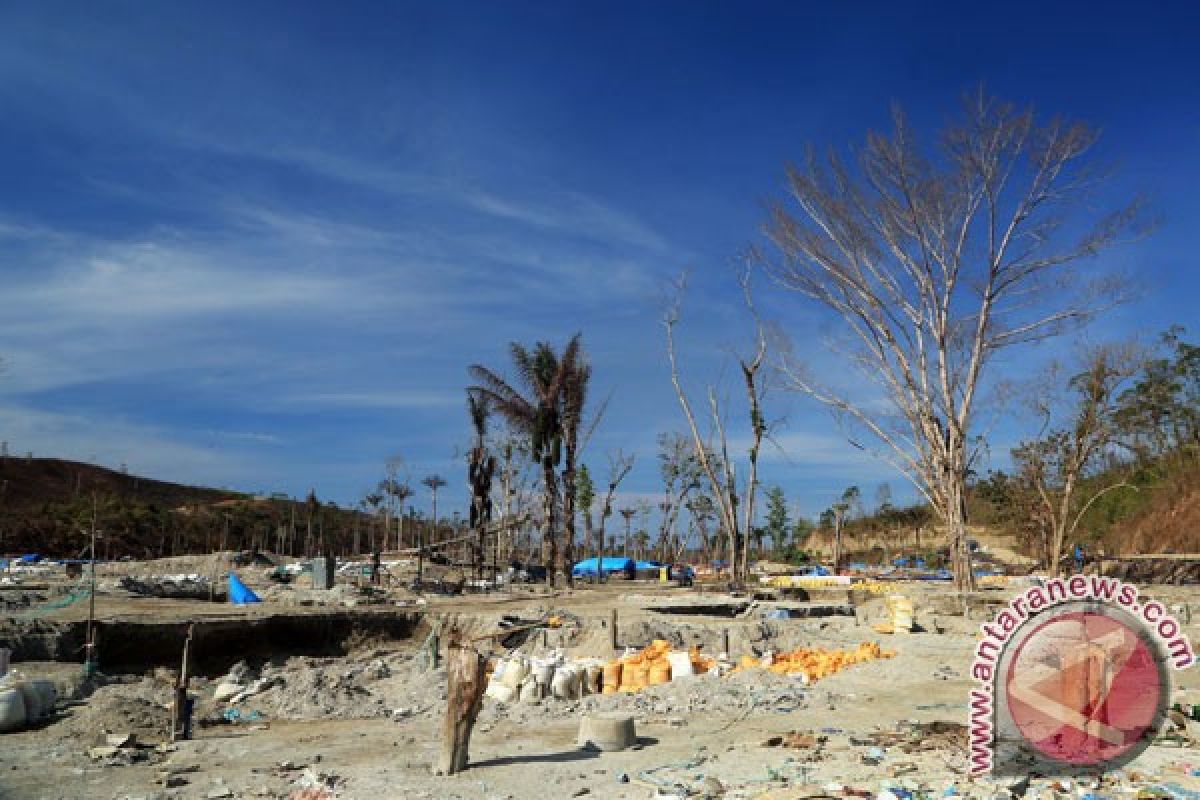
x=1084, y=688
x=1073, y=674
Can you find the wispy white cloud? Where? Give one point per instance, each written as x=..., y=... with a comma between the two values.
x=144, y=449
x=154, y=280
x=570, y=212
x=249, y=436
x=415, y=398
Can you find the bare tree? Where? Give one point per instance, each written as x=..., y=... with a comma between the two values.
x=681, y=473
x=701, y=508
x=837, y=515
x=619, y=466
x=628, y=514
x=935, y=262
x=715, y=462
x=515, y=491
x=1059, y=458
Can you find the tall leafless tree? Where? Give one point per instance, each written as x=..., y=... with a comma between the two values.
x=1058, y=459
x=714, y=457
x=935, y=260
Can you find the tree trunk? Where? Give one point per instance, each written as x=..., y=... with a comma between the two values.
x=589, y=539
x=956, y=525
x=837, y=545
x=466, y=682
x=568, y=508
x=549, y=540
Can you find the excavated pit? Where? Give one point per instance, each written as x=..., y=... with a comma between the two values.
x=739, y=610
x=727, y=610
x=137, y=645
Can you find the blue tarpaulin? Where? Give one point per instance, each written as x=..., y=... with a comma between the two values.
x=30, y=558
x=240, y=593
x=641, y=565
x=609, y=566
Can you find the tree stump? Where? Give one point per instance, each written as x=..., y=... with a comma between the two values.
x=466, y=682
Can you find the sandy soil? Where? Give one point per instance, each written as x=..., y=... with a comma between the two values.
x=367, y=724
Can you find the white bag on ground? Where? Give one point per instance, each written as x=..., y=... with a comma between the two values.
x=12, y=709
x=565, y=684
x=32, y=699
x=514, y=673
x=681, y=664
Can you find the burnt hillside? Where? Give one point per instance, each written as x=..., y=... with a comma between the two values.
x=31, y=484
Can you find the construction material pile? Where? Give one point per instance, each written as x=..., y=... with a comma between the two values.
x=814, y=663
x=900, y=615
x=654, y=665
x=528, y=680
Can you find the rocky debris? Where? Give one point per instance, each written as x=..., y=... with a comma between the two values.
x=347, y=595
x=321, y=781
x=120, y=749
x=189, y=587
x=227, y=691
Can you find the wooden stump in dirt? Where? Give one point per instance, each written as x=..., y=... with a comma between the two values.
x=466, y=682
x=180, y=723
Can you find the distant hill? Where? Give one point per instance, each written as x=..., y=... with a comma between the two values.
x=29, y=484
x=46, y=507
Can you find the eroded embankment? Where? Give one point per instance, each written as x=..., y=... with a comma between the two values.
x=135, y=645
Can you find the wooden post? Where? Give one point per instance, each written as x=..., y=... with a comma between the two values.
x=612, y=626
x=725, y=635
x=466, y=681
x=179, y=709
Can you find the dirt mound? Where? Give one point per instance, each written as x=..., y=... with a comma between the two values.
x=139, y=707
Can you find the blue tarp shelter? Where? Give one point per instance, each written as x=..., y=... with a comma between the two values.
x=641, y=565
x=609, y=566
x=240, y=593
x=30, y=558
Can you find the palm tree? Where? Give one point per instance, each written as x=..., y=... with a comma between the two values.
x=402, y=492
x=547, y=413
x=577, y=374
x=433, y=482
x=371, y=502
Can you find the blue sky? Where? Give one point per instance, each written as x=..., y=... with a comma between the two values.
x=257, y=244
